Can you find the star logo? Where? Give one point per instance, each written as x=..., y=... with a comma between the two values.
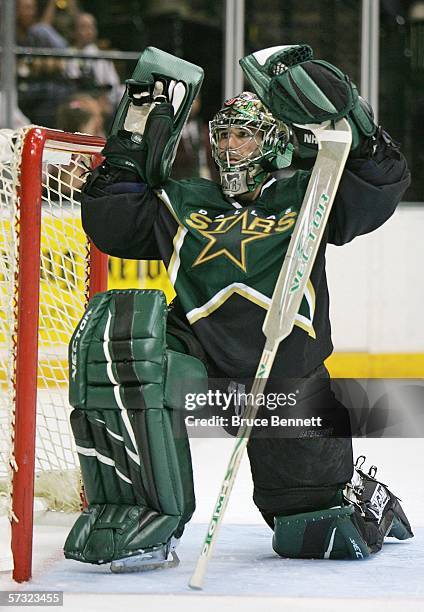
x=229, y=240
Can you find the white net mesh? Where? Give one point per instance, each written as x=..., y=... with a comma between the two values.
x=63, y=296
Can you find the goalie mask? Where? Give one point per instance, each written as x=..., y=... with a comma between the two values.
x=247, y=144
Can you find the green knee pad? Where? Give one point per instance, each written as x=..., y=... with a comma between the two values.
x=127, y=389
x=323, y=534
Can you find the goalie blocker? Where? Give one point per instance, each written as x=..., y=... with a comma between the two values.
x=152, y=113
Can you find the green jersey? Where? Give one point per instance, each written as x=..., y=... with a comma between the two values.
x=223, y=257
x=225, y=262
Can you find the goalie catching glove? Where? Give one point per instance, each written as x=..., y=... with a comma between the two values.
x=300, y=90
x=152, y=113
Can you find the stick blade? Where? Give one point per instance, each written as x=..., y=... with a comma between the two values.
x=198, y=576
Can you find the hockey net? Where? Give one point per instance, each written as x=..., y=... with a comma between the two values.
x=48, y=270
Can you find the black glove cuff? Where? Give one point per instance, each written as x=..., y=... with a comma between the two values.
x=98, y=181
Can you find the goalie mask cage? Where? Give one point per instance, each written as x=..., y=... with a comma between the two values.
x=48, y=272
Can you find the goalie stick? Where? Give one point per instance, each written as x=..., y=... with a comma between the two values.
x=333, y=148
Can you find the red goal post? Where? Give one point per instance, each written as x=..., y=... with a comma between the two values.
x=48, y=272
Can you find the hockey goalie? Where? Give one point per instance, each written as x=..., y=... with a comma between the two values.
x=133, y=358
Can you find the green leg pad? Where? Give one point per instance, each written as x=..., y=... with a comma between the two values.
x=323, y=534
x=105, y=532
x=127, y=389
x=398, y=530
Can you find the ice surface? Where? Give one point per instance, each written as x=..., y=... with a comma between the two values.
x=244, y=565
x=244, y=571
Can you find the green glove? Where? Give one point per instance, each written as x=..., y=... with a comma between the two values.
x=305, y=144
x=151, y=115
x=300, y=90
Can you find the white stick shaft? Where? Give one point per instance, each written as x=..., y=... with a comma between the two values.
x=334, y=145
x=243, y=435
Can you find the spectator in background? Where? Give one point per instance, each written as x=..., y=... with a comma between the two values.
x=34, y=31
x=81, y=113
x=93, y=74
x=41, y=84
x=18, y=118
x=193, y=154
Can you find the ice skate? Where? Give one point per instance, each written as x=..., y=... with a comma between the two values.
x=162, y=557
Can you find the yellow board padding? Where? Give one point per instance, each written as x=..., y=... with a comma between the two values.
x=62, y=276
x=132, y=274
x=376, y=365
x=51, y=373
x=62, y=291
x=340, y=365
x=62, y=279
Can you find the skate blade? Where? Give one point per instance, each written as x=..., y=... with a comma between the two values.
x=142, y=563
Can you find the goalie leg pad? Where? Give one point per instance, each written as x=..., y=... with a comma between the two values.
x=350, y=531
x=128, y=392
x=324, y=534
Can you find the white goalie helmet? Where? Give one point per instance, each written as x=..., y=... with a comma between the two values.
x=247, y=143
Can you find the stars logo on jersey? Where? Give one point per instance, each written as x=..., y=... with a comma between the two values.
x=229, y=240
x=210, y=262
x=228, y=236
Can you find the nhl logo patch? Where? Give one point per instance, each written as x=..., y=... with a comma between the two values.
x=378, y=502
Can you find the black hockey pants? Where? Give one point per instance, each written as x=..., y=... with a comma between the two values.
x=294, y=469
